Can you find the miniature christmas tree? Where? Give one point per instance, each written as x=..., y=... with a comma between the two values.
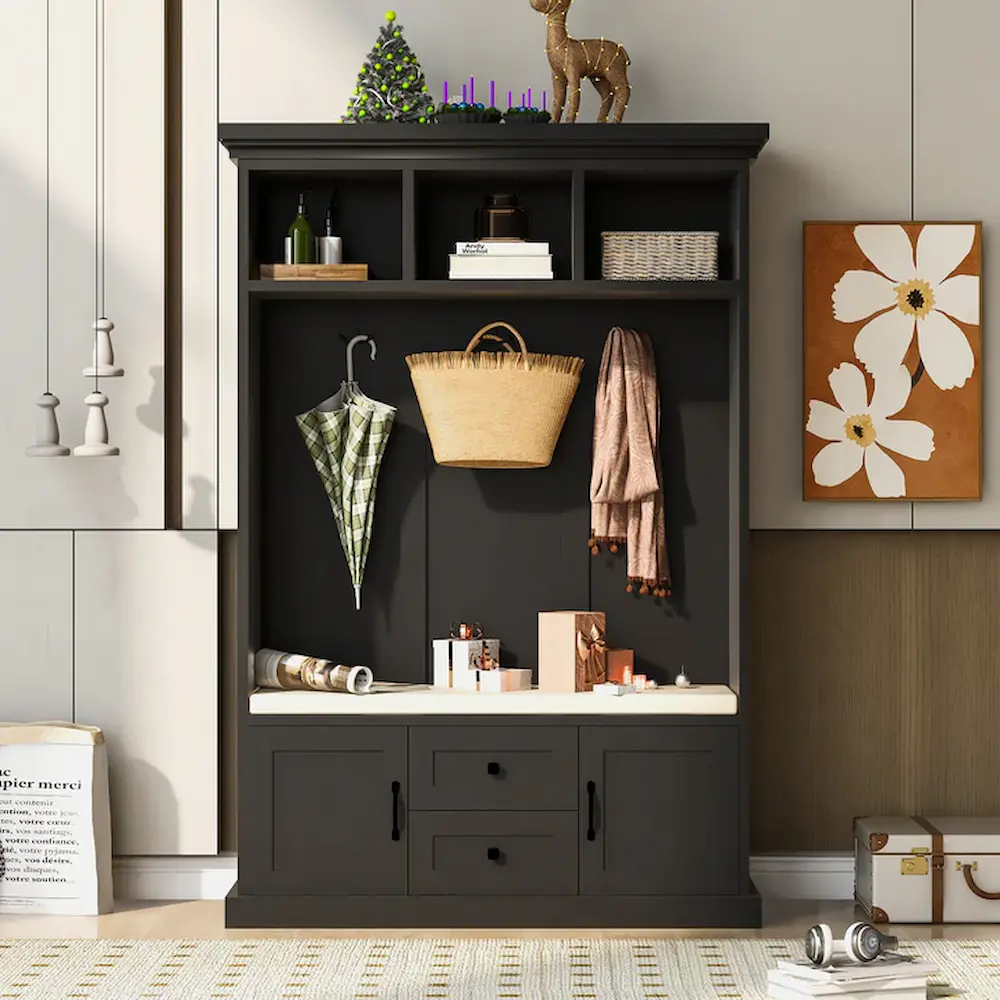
x=391, y=84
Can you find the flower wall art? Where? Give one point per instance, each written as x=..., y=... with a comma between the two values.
x=893, y=361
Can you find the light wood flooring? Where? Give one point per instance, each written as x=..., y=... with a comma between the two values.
x=205, y=920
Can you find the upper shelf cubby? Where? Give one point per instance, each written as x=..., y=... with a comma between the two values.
x=369, y=215
x=446, y=203
x=625, y=202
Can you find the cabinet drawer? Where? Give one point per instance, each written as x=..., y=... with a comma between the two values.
x=487, y=853
x=493, y=767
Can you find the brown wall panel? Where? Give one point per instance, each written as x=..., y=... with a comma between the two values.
x=875, y=680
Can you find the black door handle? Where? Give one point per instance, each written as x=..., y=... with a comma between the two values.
x=395, y=810
x=591, y=790
x=493, y=853
x=492, y=767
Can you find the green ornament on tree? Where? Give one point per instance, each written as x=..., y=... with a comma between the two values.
x=390, y=76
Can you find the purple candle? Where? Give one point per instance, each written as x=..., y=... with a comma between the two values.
x=465, y=97
x=493, y=93
x=529, y=97
x=522, y=100
x=545, y=101
x=510, y=99
x=445, y=91
x=472, y=90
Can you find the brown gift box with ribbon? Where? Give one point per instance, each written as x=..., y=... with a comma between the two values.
x=572, y=653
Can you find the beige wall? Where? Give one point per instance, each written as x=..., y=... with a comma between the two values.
x=833, y=81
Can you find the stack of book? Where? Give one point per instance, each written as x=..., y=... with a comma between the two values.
x=887, y=978
x=504, y=259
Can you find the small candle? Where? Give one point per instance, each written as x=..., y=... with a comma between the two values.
x=522, y=100
x=465, y=97
x=529, y=97
x=545, y=100
x=472, y=90
x=510, y=99
x=445, y=91
x=493, y=94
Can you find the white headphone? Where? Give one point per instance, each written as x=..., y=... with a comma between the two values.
x=862, y=943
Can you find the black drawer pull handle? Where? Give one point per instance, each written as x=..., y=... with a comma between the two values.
x=493, y=853
x=591, y=832
x=395, y=810
x=492, y=767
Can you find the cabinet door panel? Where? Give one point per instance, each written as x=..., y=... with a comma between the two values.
x=659, y=810
x=325, y=807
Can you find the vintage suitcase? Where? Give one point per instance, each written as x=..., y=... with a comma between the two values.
x=923, y=870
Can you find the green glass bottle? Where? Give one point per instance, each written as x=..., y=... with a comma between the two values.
x=302, y=239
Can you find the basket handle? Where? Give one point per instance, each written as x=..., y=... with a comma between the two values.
x=499, y=340
x=490, y=326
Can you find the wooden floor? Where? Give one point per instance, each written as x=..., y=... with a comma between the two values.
x=204, y=920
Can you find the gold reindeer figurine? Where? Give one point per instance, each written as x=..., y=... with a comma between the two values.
x=604, y=63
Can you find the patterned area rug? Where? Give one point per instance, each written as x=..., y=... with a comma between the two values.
x=415, y=969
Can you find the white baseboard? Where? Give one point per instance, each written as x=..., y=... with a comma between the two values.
x=177, y=878
x=786, y=876
x=804, y=875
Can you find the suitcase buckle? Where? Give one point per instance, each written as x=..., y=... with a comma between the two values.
x=937, y=862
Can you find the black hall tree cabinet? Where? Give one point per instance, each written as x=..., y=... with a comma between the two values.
x=439, y=812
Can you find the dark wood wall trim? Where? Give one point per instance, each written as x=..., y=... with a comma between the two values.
x=173, y=473
x=874, y=680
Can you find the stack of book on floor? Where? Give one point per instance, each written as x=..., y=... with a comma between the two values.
x=510, y=260
x=887, y=978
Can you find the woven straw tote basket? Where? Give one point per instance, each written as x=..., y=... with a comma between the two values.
x=494, y=410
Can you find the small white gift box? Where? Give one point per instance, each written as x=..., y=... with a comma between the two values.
x=458, y=662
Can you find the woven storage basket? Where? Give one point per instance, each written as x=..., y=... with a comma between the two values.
x=494, y=410
x=660, y=256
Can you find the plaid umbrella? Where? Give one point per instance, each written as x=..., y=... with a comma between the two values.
x=347, y=440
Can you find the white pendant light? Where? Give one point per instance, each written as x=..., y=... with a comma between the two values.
x=47, y=442
x=95, y=434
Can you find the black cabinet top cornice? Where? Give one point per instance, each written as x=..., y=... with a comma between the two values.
x=287, y=140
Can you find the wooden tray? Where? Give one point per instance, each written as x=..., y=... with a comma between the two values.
x=314, y=272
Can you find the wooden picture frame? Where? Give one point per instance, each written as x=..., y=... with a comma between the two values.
x=892, y=361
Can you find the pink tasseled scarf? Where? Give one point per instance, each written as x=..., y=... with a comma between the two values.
x=626, y=487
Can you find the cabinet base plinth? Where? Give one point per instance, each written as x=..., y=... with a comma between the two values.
x=453, y=912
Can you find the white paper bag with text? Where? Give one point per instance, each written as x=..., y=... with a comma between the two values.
x=55, y=820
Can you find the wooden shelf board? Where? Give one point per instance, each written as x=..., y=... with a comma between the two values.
x=677, y=290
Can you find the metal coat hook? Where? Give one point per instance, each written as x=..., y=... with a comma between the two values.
x=359, y=339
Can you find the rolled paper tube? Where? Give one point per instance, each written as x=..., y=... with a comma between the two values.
x=276, y=669
x=493, y=93
x=445, y=91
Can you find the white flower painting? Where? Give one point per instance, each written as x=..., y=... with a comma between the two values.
x=859, y=430
x=912, y=292
x=893, y=341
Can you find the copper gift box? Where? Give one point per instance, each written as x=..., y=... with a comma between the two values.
x=572, y=653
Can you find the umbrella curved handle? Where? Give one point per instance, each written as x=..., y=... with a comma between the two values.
x=491, y=326
x=359, y=339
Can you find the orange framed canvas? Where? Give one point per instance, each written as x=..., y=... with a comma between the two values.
x=892, y=353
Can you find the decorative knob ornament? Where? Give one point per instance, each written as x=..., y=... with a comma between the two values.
x=682, y=680
x=47, y=445
x=95, y=434
x=103, y=359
